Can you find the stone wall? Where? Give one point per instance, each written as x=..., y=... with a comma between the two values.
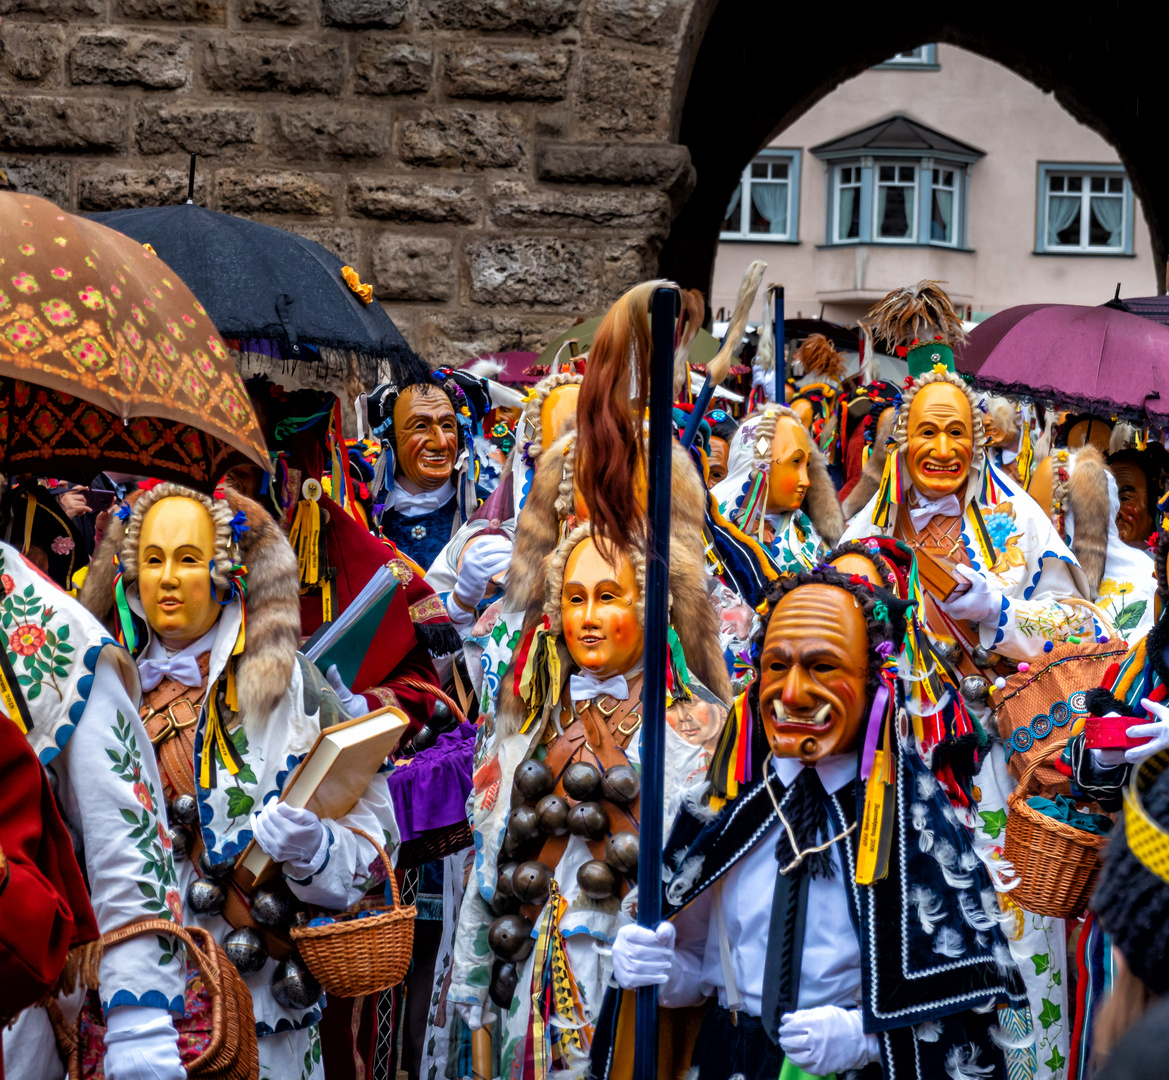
x=495, y=168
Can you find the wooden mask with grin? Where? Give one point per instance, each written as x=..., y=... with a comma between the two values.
x=940, y=443
x=427, y=435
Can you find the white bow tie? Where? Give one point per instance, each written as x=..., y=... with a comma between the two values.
x=926, y=509
x=183, y=669
x=586, y=687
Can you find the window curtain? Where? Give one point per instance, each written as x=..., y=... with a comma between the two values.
x=733, y=206
x=898, y=201
x=1062, y=210
x=844, y=217
x=943, y=216
x=771, y=202
x=1110, y=214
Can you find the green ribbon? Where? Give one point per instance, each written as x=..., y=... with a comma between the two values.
x=125, y=615
x=678, y=656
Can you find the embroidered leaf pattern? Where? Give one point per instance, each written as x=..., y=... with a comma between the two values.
x=239, y=740
x=993, y=822
x=1056, y=1061
x=1049, y=1014
x=1042, y=962
x=39, y=653
x=239, y=802
x=1130, y=616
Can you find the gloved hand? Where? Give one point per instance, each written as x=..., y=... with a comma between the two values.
x=474, y=1016
x=643, y=957
x=1108, y=759
x=979, y=603
x=291, y=835
x=354, y=704
x=827, y=1040
x=1157, y=730
x=142, y=1044
x=481, y=562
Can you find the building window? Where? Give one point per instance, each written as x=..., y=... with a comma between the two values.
x=765, y=205
x=945, y=213
x=848, y=204
x=894, y=218
x=923, y=58
x=1084, y=210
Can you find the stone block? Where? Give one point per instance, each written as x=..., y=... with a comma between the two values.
x=626, y=263
x=461, y=138
x=626, y=95
x=525, y=16
x=313, y=132
x=246, y=191
x=520, y=72
x=114, y=188
x=31, y=52
x=452, y=337
x=353, y=13
x=212, y=11
x=391, y=67
x=413, y=268
x=344, y=243
x=513, y=203
x=123, y=59
x=284, y=12
x=55, y=9
x=57, y=123
x=411, y=200
x=533, y=271
x=293, y=66
x=646, y=22
x=166, y=129
x=660, y=165
x=44, y=176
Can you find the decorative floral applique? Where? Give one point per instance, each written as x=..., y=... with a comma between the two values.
x=40, y=654
x=1112, y=598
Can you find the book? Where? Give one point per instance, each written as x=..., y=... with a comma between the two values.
x=369, y=638
x=333, y=775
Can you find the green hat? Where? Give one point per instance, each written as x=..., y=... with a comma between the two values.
x=929, y=356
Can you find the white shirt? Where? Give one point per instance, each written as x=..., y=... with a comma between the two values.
x=830, y=972
x=409, y=504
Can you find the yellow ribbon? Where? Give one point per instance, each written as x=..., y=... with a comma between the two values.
x=215, y=737
x=363, y=292
x=305, y=537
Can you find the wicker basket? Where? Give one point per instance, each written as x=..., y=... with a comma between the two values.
x=1056, y=863
x=361, y=953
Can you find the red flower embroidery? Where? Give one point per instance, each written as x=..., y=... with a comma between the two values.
x=8, y=583
x=175, y=905
x=164, y=837
x=26, y=639
x=142, y=794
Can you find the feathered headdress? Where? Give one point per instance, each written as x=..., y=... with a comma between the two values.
x=920, y=322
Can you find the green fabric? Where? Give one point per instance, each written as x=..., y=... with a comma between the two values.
x=1061, y=808
x=788, y=1071
x=922, y=358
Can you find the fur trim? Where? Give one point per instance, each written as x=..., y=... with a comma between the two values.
x=1046, y=438
x=486, y=367
x=819, y=357
x=1124, y=437
x=918, y=312
x=273, y=601
x=870, y=367
x=820, y=503
x=732, y=344
x=1088, y=499
x=870, y=480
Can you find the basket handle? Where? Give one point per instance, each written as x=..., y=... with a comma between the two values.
x=1031, y=769
x=1101, y=617
x=165, y=926
x=393, y=878
x=438, y=692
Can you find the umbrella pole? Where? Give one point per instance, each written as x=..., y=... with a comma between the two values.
x=191, y=183
x=653, y=725
x=780, y=347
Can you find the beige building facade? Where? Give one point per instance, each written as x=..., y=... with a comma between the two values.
x=938, y=164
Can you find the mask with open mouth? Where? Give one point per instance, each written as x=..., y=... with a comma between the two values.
x=940, y=444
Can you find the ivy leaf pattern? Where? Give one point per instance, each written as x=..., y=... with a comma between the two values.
x=1057, y=1060
x=1049, y=1014
x=1042, y=962
x=239, y=802
x=993, y=822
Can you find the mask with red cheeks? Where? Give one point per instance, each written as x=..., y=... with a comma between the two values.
x=790, y=455
x=598, y=610
x=813, y=673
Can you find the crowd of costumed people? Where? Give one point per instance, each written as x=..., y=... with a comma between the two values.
x=336, y=769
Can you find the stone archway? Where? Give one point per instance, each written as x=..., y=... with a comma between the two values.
x=747, y=70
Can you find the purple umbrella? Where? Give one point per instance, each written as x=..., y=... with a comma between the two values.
x=1095, y=359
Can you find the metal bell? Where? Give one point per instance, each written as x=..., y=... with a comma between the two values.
x=552, y=815
x=621, y=852
x=984, y=658
x=206, y=897
x=532, y=882
x=271, y=907
x=533, y=780
x=523, y=825
x=504, y=880
x=621, y=784
x=581, y=780
x=597, y=880
x=424, y=738
x=975, y=689
x=442, y=719
x=947, y=650
x=504, y=980
x=293, y=985
x=503, y=905
x=509, y=935
x=587, y=819
x=180, y=841
x=214, y=870
x=183, y=810
x=245, y=948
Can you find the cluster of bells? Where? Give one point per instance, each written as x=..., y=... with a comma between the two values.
x=527, y=881
x=293, y=985
x=441, y=721
x=975, y=689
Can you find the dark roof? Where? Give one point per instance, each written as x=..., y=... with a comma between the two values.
x=1148, y=307
x=898, y=133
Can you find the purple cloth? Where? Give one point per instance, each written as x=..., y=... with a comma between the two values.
x=430, y=791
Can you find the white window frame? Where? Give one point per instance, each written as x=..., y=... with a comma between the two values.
x=915, y=187
x=837, y=186
x=921, y=58
x=1086, y=173
x=769, y=156
x=959, y=176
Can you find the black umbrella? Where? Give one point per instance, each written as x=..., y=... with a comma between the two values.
x=269, y=289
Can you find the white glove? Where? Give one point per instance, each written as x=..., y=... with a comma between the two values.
x=643, y=957
x=474, y=1016
x=1157, y=729
x=979, y=603
x=481, y=562
x=354, y=704
x=291, y=835
x=827, y=1040
x=1108, y=759
x=142, y=1044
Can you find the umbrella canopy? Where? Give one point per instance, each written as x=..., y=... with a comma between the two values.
x=703, y=349
x=841, y=336
x=107, y=360
x=1095, y=359
x=263, y=284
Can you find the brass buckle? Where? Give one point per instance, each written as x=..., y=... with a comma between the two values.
x=175, y=720
x=635, y=717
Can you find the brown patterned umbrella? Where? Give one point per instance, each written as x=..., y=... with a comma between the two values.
x=107, y=360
